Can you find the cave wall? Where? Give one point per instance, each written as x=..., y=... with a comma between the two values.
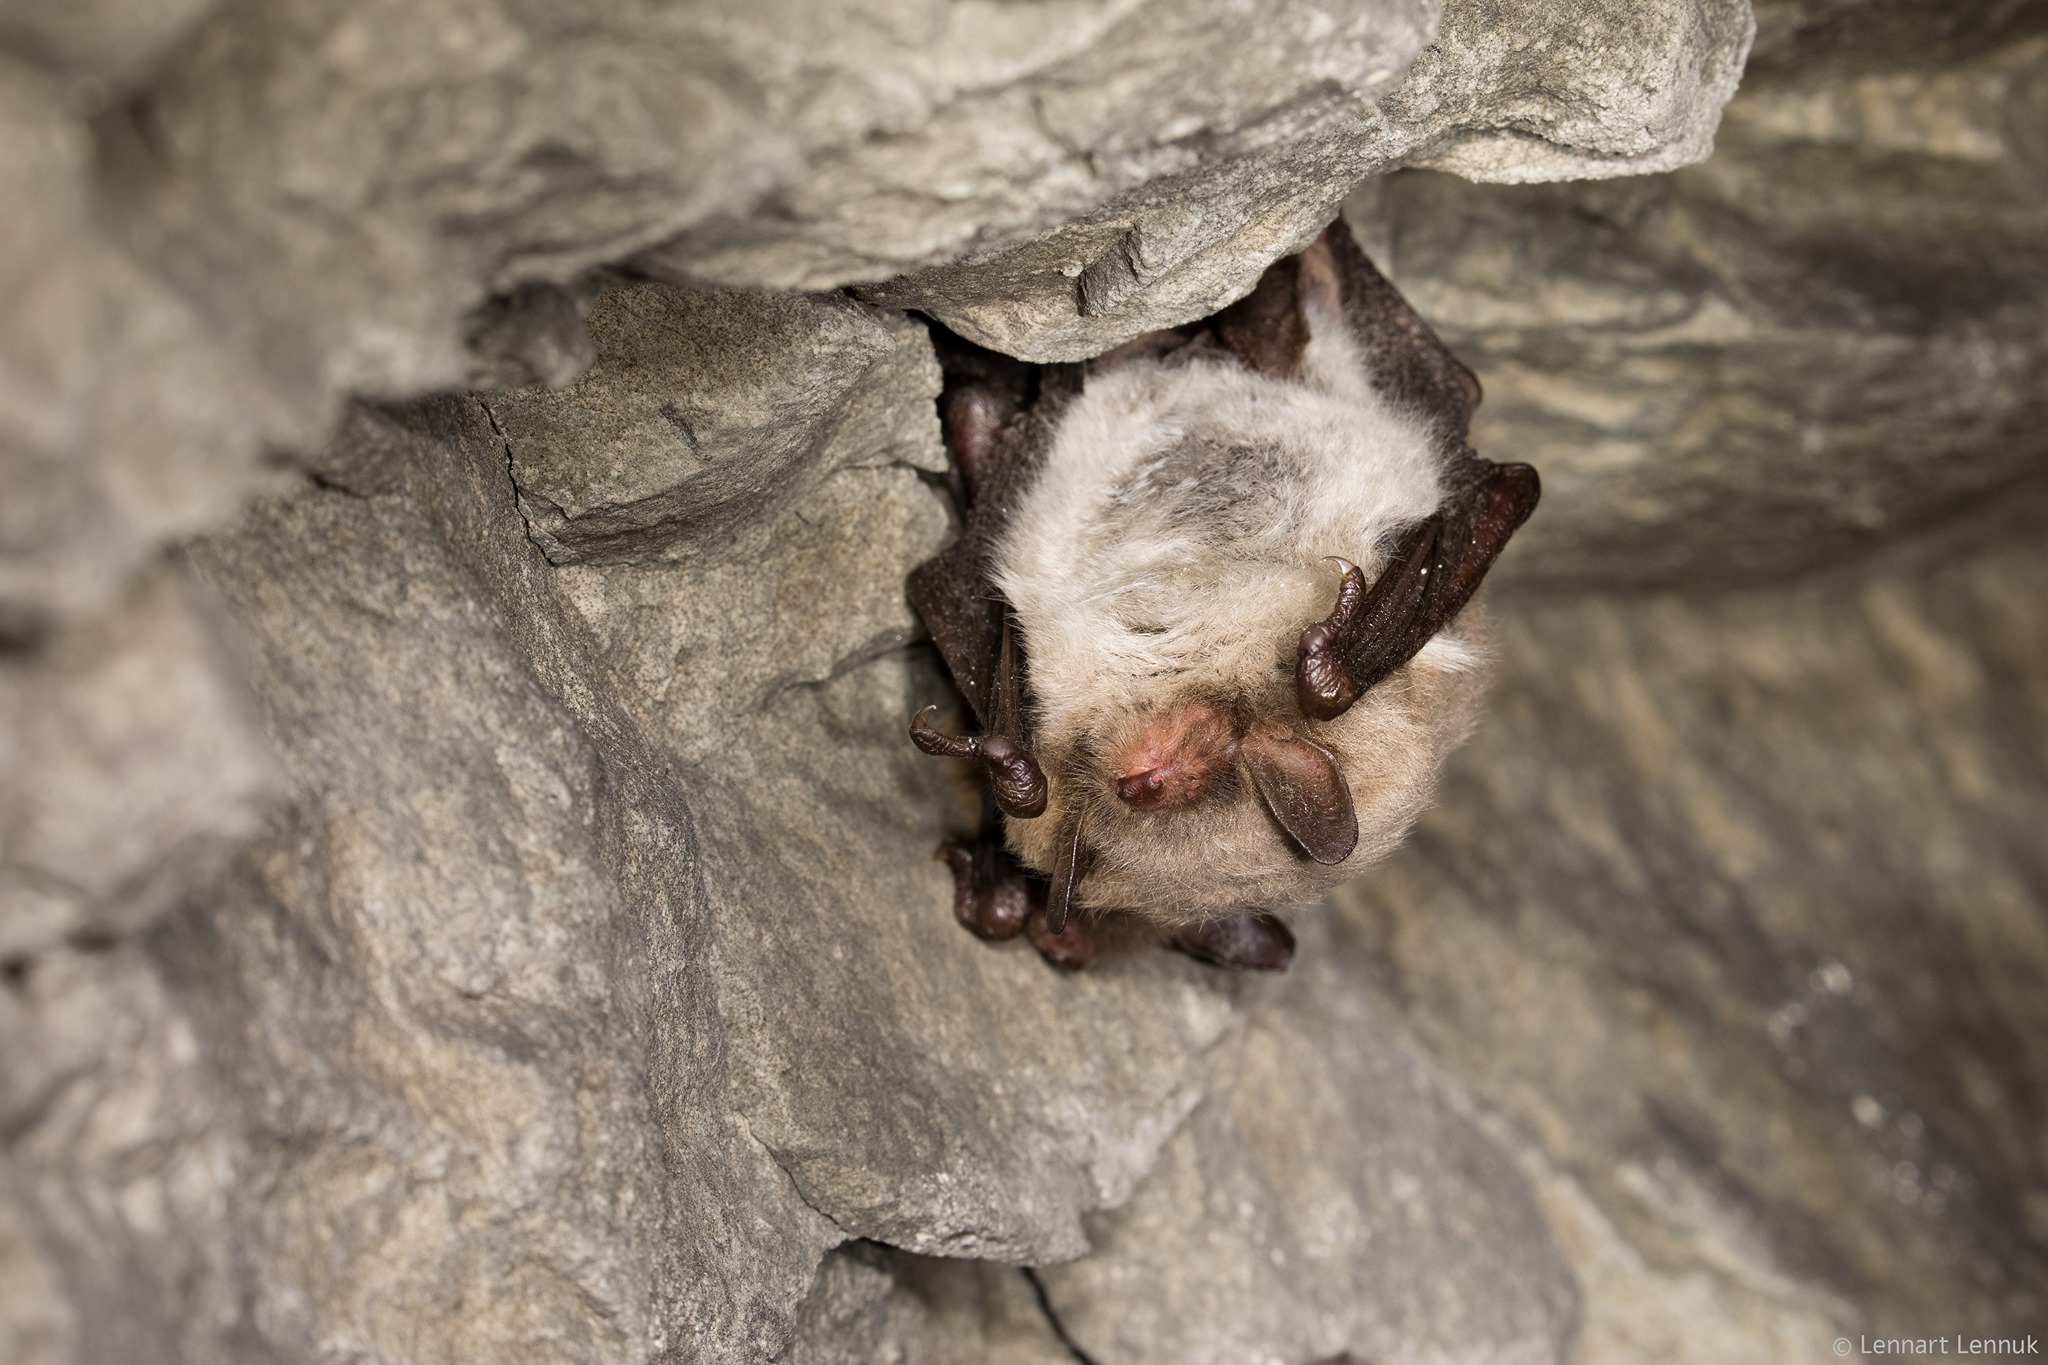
x=464, y=893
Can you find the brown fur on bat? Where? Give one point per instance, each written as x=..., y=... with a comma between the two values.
x=1204, y=608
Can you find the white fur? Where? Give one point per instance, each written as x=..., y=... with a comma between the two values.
x=1174, y=546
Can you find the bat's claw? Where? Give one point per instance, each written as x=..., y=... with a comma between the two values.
x=1019, y=783
x=1246, y=942
x=1071, y=949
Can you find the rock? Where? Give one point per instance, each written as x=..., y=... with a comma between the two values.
x=1586, y=93
x=98, y=42
x=1327, y=1201
x=1616, y=89
x=121, y=1165
x=502, y=1021
x=241, y=220
x=533, y=335
x=1823, y=338
x=1730, y=909
x=125, y=422
x=38, y=1325
x=704, y=404
x=872, y=1303
x=459, y=932
x=149, y=770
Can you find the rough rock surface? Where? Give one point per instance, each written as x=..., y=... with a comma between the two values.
x=687, y=436
x=871, y=1303
x=476, y=903
x=1505, y=92
x=1734, y=908
x=582, y=973
x=1824, y=337
x=1327, y=1200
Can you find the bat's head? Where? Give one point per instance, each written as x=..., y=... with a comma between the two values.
x=1201, y=788
x=1205, y=549
x=1237, y=572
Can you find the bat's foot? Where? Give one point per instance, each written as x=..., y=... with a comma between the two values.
x=995, y=899
x=1247, y=942
x=1071, y=949
x=991, y=894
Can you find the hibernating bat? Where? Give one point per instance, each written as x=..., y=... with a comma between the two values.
x=1204, y=609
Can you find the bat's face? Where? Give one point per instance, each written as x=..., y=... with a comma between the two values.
x=1176, y=791
x=1188, y=527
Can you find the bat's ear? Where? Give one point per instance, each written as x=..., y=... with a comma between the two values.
x=1266, y=329
x=1302, y=785
x=1407, y=361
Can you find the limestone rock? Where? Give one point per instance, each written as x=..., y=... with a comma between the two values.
x=1504, y=92
x=1825, y=337
x=121, y=1160
x=450, y=932
x=149, y=770
x=871, y=1303
x=703, y=404
x=1328, y=1200
x=126, y=422
x=599, y=978
x=241, y=218
x=1732, y=908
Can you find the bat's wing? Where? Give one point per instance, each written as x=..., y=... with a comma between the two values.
x=1437, y=565
x=1409, y=364
x=998, y=416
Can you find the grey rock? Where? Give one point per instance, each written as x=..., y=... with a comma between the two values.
x=1594, y=91
x=460, y=935
x=703, y=404
x=599, y=978
x=1733, y=909
x=38, y=1325
x=126, y=423
x=142, y=769
x=97, y=44
x=1823, y=338
x=120, y=1163
x=1504, y=92
x=872, y=1303
x=533, y=335
x=1327, y=1200
x=243, y=217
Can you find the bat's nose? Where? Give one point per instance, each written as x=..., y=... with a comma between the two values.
x=1175, y=757
x=1145, y=790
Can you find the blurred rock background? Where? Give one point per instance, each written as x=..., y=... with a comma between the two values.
x=463, y=891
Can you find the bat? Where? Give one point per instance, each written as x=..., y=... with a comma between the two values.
x=1204, y=609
